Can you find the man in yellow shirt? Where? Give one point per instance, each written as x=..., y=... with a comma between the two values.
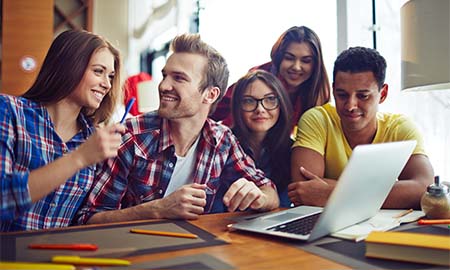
x=327, y=135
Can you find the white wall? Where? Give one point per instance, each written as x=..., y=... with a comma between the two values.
x=110, y=19
x=244, y=31
x=154, y=23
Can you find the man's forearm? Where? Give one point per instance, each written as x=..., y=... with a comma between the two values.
x=405, y=194
x=148, y=210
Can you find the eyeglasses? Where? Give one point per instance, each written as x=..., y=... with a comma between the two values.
x=249, y=104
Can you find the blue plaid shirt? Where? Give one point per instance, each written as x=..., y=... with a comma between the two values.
x=28, y=141
x=142, y=170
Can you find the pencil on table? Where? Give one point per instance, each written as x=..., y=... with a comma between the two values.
x=433, y=221
x=404, y=213
x=172, y=234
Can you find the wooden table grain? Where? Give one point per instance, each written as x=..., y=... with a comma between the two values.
x=247, y=250
x=244, y=251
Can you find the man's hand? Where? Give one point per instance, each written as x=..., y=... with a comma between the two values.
x=315, y=191
x=187, y=202
x=243, y=194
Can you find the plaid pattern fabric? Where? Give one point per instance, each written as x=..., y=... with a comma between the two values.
x=142, y=170
x=27, y=142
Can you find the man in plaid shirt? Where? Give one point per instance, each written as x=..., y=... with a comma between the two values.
x=176, y=162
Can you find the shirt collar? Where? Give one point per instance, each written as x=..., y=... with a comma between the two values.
x=165, y=140
x=87, y=127
x=212, y=133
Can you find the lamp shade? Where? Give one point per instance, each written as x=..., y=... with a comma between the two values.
x=425, y=43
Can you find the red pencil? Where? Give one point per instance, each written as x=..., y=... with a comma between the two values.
x=433, y=221
x=64, y=246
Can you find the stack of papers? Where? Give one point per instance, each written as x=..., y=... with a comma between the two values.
x=383, y=221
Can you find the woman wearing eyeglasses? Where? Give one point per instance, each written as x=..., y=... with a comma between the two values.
x=298, y=63
x=261, y=114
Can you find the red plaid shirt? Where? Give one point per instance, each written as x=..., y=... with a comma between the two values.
x=143, y=168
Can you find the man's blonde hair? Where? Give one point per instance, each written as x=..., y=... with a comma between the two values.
x=216, y=70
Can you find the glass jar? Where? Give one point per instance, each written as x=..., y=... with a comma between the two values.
x=435, y=202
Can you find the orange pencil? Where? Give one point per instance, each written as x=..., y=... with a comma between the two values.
x=404, y=213
x=433, y=221
x=172, y=234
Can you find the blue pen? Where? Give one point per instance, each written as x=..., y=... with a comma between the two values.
x=127, y=109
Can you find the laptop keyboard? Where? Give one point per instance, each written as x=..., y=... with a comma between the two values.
x=301, y=226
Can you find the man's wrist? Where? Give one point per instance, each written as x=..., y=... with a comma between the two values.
x=152, y=209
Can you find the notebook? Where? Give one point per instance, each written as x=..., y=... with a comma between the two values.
x=359, y=193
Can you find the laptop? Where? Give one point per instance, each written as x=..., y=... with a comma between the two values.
x=359, y=194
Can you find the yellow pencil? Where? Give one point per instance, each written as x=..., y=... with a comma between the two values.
x=404, y=213
x=28, y=265
x=172, y=234
x=77, y=260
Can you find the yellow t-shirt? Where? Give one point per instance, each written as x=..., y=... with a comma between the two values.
x=320, y=129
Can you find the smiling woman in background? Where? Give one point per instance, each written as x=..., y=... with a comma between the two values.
x=261, y=115
x=48, y=145
x=298, y=63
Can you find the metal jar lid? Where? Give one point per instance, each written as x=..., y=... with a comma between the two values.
x=437, y=189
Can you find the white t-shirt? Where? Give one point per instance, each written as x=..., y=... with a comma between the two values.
x=184, y=169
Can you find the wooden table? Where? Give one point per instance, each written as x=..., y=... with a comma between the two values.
x=246, y=250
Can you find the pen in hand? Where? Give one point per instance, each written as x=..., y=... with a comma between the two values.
x=128, y=108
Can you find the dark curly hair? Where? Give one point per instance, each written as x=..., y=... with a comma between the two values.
x=361, y=59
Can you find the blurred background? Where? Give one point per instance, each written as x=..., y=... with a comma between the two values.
x=242, y=30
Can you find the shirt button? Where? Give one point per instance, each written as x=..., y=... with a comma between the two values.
x=171, y=165
x=53, y=204
x=160, y=191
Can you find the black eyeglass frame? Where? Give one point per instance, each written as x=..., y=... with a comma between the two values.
x=260, y=100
